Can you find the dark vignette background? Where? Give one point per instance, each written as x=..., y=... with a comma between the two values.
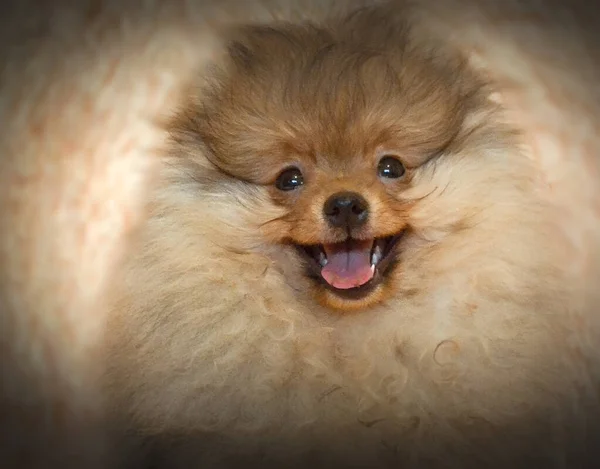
x=29, y=437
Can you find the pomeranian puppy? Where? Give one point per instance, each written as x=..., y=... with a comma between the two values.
x=347, y=263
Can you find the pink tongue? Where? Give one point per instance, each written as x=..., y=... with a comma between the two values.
x=348, y=264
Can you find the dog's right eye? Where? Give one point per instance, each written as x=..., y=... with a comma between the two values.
x=289, y=179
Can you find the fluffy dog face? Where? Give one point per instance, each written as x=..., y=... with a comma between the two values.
x=341, y=129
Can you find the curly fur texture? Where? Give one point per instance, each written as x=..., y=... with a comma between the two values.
x=220, y=352
x=82, y=87
x=217, y=352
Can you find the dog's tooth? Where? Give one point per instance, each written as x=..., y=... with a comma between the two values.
x=322, y=259
x=377, y=253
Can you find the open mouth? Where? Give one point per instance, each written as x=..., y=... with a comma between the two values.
x=353, y=266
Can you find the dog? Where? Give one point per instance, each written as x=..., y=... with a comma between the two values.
x=348, y=261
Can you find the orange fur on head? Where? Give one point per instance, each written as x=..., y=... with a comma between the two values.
x=332, y=101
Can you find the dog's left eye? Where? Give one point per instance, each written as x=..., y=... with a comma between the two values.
x=289, y=179
x=390, y=167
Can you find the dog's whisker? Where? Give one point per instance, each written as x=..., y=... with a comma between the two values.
x=272, y=220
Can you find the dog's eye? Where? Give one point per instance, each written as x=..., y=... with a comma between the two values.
x=390, y=167
x=289, y=179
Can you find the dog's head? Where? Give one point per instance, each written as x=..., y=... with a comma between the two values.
x=341, y=130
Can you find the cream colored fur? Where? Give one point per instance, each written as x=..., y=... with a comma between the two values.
x=212, y=338
x=80, y=99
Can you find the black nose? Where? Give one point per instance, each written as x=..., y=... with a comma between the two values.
x=347, y=209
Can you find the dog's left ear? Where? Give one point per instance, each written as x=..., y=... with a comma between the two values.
x=250, y=45
x=241, y=54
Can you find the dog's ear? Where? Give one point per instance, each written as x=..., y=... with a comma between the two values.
x=250, y=46
x=241, y=55
x=247, y=45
